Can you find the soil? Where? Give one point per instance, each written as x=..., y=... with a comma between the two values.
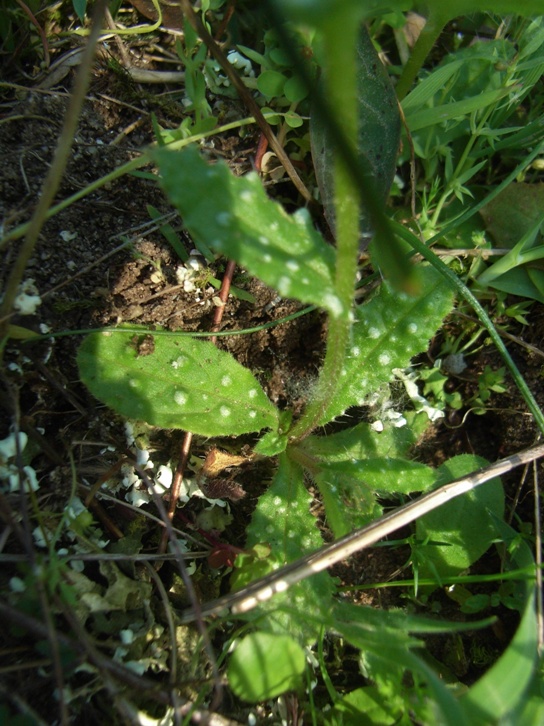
x=88, y=276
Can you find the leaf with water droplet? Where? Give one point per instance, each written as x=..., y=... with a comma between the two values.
x=234, y=217
x=388, y=331
x=183, y=384
x=283, y=520
x=350, y=488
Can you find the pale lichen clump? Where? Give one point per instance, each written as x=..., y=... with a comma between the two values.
x=28, y=298
x=10, y=473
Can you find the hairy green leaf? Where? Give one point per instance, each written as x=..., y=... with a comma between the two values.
x=174, y=382
x=283, y=520
x=234, y=216
x=379, y=130
x=388, y=331
x=349, y=488
x=360, y=442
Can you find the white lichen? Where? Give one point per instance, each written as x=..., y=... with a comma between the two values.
x=28, y=298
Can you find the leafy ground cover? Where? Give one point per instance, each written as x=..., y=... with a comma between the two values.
x=248, y=530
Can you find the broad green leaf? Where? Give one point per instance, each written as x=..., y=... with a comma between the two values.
x=283, y=520
x=514, y=219
x=388, y=331
x=386, y=475
x=463, y=526
x=271, y=83
x=513, y=213
x=174, y=382
x=234, y=216
x=349, y=503
x=274, y=442
x=265, y=665
x=295, y=90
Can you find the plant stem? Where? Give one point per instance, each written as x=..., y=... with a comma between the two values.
x=341, y=90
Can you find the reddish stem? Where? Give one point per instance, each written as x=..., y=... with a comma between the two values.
x=262, y=146
x=187, y=439
x=223, y=296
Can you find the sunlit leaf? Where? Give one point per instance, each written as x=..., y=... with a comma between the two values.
x=174, y=382
x=265, y=665
x=388, y=331
x=283, y=521
x=233, y=216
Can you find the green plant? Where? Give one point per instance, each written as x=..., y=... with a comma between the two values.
x=190, y=384
x=177, y=381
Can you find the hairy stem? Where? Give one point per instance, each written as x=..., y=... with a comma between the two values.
x=341, y=90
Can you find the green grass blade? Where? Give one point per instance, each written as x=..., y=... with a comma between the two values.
x=484, y=318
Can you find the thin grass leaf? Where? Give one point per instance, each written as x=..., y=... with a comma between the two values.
x=168, y=233
x=427, y=117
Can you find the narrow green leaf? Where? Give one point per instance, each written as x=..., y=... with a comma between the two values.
x=360, y=442
x=383, y=635
x=388, y=331
x=463, y=526
x=234, y=216
x=428, y=87
x=265, y=665
x=174, y=382
x=503, y=688
x=423, y=118
x=168, y=233
x=349, y=488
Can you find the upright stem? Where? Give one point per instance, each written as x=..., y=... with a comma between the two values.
x=340, y=37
